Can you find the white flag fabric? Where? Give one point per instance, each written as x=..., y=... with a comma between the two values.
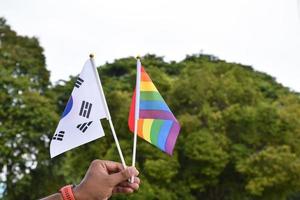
x=80, y=121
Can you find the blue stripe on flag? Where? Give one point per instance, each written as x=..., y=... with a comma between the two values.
x=153, y=105
x=163, y=134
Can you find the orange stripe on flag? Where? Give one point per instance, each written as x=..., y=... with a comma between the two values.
x=145, y=77
x=140, y=128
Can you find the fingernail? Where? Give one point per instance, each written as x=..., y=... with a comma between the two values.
x=133, y=171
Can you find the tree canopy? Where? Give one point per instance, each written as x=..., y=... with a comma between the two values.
x=239, y=139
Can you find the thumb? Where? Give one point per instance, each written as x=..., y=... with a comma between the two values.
x=123, y=175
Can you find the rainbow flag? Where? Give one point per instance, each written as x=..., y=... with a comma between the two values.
x=156, y=122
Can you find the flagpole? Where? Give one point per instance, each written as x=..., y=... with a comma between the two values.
x=137, y=108
x=107, y=111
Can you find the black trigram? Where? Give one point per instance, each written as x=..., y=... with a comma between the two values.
x=85, y=109
x=84, y=126
x=59, y=136
x=78, y=83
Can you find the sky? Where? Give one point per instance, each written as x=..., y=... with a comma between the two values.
x=262, y=33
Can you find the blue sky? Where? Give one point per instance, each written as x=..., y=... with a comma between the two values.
x=264, y=34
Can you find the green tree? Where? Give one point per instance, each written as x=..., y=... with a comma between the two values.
x=257, y=118
x=27, y=116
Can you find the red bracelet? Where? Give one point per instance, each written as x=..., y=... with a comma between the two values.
x=67, y=192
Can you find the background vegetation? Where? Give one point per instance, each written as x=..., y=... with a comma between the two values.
x=240, y=136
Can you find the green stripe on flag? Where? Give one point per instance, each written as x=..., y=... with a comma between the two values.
x=155, y=128
x=151, y=96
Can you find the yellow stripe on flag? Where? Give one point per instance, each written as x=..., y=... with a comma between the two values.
x=147, y=129
x=147, y=86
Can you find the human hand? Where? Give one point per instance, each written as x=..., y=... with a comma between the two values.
x=104, y=178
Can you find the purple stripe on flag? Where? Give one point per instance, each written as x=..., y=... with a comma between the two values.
x=156, y=114
x=171, y=140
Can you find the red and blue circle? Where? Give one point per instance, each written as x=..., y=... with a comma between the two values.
x=68, y=107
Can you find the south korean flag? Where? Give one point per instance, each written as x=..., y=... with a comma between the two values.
x=80, y=121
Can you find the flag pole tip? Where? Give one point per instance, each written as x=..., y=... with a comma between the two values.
x=91, y=55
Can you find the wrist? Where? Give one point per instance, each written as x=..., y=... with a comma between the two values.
x=78, y=194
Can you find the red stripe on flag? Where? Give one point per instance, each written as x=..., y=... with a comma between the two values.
x=132, y=113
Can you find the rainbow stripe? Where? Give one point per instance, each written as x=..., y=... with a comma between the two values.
x=156, y=123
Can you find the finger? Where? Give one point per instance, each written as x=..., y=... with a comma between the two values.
x=136, y=180
x=133, y=186
x=123, y=190
x=123, y=175
x=113, y=167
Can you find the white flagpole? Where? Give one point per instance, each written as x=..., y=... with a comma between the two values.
x=107, y=111
x=137, y=108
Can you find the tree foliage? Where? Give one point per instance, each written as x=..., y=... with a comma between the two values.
x=240, y=135
x=27, y=116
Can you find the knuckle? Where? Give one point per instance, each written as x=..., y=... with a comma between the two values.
x=95, y=162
